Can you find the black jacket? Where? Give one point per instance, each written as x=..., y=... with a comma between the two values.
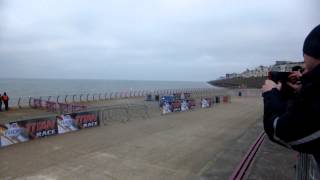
x=296, y=124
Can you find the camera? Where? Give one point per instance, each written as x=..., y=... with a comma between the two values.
x=276, y=77
x=286, y=91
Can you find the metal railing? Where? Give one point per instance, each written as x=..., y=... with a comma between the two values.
x=246, y=92
x=22, y=102
x=122, y=113
x=307, y=168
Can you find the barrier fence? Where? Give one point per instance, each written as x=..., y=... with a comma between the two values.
x=307, y=168
x=175, y=103
x=32, y=129
x=22, y=102
x=245, y=92
x=52, y=106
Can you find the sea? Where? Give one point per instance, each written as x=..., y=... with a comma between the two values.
x=17, y=88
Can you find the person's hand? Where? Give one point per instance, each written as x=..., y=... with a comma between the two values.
x=295, y=86
x=269, y=85
x=295, y=76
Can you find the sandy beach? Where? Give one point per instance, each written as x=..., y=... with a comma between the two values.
x=204, y=143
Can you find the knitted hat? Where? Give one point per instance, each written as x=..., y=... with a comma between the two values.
x=311, y=45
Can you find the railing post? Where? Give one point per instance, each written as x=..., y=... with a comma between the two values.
x=40, y=102
x=88, y=97
x=30, y=101
x=81, y=97
x=73, y=98
x=65, y=99
x=19, y=103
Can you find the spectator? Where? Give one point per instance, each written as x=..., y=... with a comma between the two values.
x=5, y=100
x=297, y=125
x=0, y=102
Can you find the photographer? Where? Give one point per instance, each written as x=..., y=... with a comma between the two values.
x=296, y=124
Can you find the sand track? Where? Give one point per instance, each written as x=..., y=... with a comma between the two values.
x=201, y=143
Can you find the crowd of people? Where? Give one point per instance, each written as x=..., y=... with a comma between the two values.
x=5, y=100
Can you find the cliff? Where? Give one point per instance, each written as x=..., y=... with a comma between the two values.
x=239, y=82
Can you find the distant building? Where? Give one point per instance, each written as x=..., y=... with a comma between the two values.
x=285, y=66
x=232, y=75
x=262, y=71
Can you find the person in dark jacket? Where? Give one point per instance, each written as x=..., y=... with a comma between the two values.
x=5, y=99
x=297, y=125
x=0, y=102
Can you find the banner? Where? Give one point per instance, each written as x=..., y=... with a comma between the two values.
x=86, y=119
x=22, y=131
x=66, y=123
x=166, y=108
x=184, y=105
x=176, y=106
x=206, y=102
x=191, y=104
x=75, y=121
x=12, y=133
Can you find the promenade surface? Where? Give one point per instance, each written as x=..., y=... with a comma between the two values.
x=201, y=144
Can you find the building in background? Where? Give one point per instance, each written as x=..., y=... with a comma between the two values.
x=262, y=71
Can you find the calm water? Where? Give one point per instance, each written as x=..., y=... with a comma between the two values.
x=53, y=87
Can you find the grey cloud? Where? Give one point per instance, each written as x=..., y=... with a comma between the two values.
x=160, y=40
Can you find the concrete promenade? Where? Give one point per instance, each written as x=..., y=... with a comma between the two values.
x=201, y=144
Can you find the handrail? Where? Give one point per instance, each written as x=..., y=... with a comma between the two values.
x=242, y=168
x=81, y=97
x=21, y=102
x=307, y=168
x=73, y=98
x=65, y=99
x=18, y=102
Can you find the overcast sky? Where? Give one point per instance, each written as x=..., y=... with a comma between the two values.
x=189, y=40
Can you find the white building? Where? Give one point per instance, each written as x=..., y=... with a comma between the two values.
x=262, y=71
x=285, y=66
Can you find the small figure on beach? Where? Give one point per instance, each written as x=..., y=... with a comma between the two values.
x=5, y=99
x=0, y=102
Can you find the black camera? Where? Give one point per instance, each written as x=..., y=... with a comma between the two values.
x=276, y=77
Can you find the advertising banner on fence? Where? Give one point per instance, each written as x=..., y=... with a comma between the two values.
x=12, y=133
x=191, y=104
x=22, y=131
x=166, y=108
x=184, y=105
x=75, y=121
x=206, y=102
x=66, y=123
x=86, y=119
x=176, y=106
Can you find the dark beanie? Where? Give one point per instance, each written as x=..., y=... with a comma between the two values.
x=311, y=45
